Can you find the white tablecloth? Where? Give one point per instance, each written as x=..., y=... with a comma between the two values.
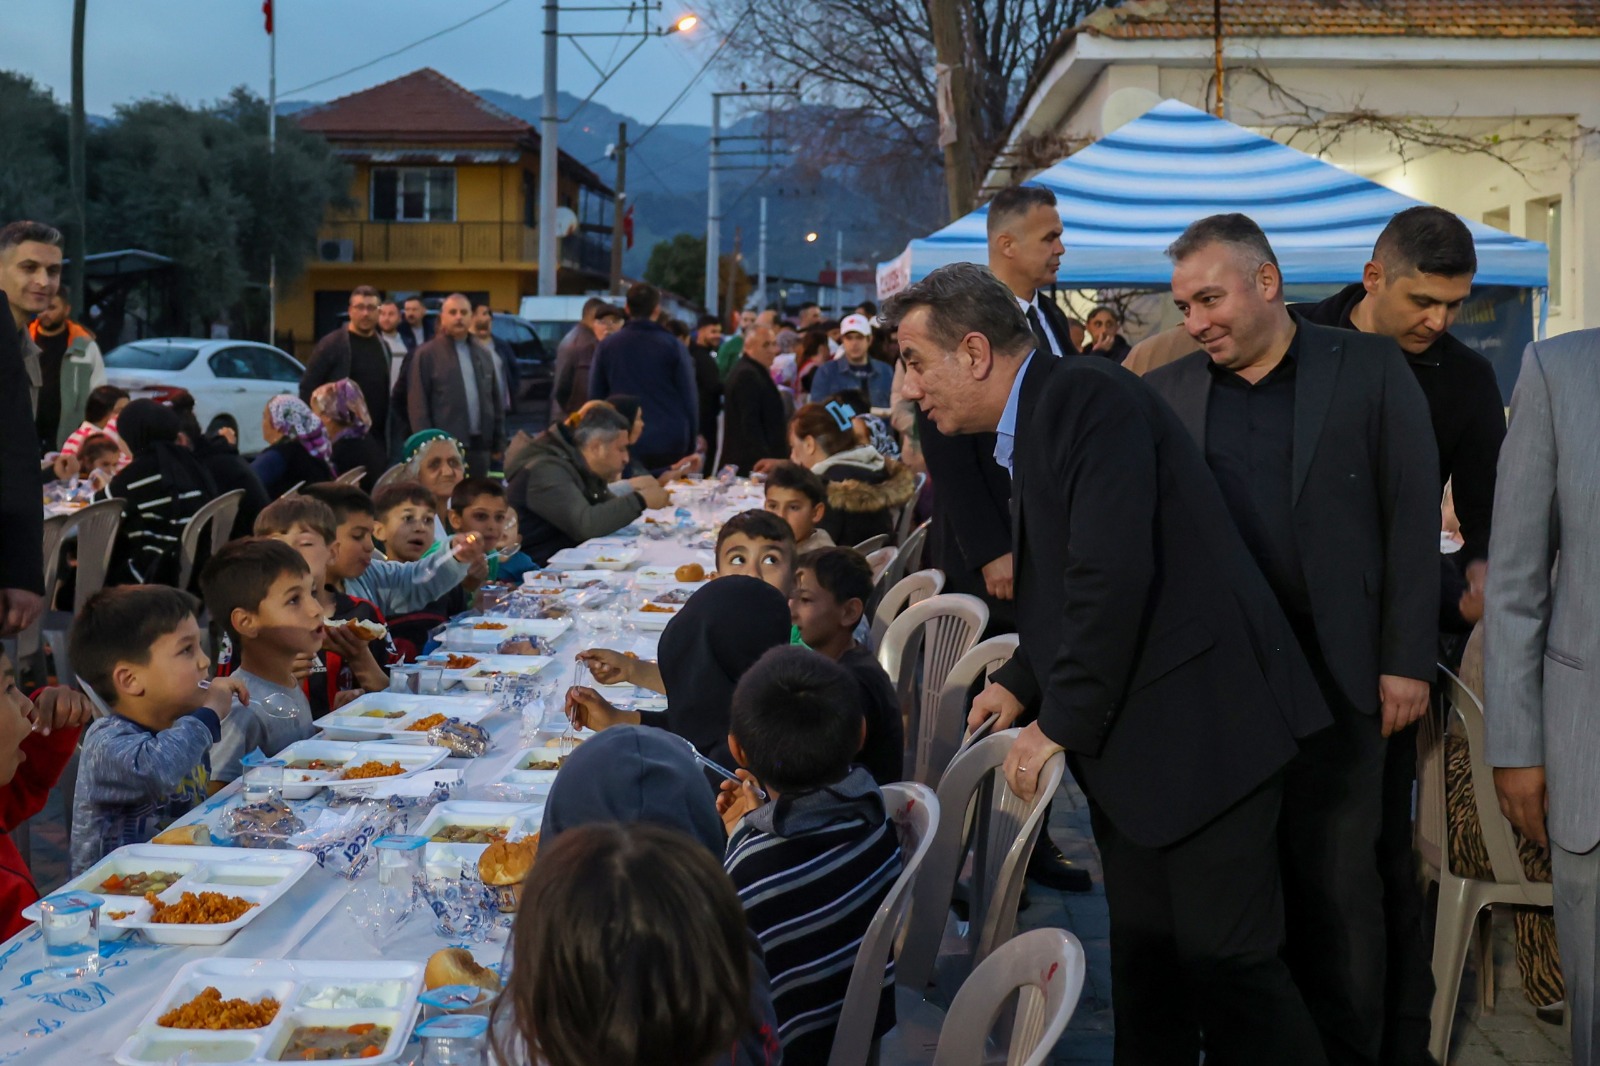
x=45, y=1021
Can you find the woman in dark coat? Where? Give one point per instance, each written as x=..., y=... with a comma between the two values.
x=161, y=489
x=297, y=448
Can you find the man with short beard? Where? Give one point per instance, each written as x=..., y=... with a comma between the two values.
x=451, y=385
x=355, y=352
x=30, y=274
x=389, y=334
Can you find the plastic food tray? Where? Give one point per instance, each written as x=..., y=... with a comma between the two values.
x=593, y=557
x=462, y=636
x=261, y=877
x=351, y=721
x=303, y=784
x=519, y=819
x=477, y=676
x=303, y=990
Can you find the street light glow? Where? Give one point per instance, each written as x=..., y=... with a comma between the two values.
x=686, y=23
x=811, y=238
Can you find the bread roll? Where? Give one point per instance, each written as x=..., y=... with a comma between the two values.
x=508, y=862
x=456, y=966
x=184, y=834
x=690, y=572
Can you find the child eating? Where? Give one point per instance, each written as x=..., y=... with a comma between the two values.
x=799, y=497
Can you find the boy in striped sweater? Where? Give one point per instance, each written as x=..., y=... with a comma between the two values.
x=814, y=862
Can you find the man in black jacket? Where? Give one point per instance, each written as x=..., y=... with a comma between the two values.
x=755, y=428
x=1420, y=274
x=707, y=380
x=355, y=351
x=1158, y=660
x=1319, y=441
x=21, y=516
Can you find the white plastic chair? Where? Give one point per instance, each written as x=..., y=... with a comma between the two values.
x=882, y=561
x=908, y=513
x=920, y=649
x=872, y=544
x=939, y=739
x=389, y=476
x=352, y=476
x=1463, y=900
x=96, y=526
x=1001, y=836
x=912, y=546
x=216, y=515
x=1045, y=968
x=909, y=590
x=915, y=812
x=30, y=642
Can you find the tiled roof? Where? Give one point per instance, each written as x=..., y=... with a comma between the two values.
x=421, y=107
x=1350, y=18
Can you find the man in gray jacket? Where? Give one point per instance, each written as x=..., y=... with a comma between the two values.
x=559, y=482
x=1542, y=644
x=451, y=385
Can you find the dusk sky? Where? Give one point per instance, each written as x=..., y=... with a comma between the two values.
x=197, y=50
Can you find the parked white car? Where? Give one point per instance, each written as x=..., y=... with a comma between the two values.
x=224, y=376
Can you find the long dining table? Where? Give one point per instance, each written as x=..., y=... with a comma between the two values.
x=45, y=1020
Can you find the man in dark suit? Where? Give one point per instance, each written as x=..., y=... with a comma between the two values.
x=355, y=351
x=1158, y=659
x=1320, y=442
x=755, y=428
x=451, y=385
x=21, y=516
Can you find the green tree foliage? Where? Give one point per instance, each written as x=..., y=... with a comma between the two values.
x=195, y=184
x=679, y=265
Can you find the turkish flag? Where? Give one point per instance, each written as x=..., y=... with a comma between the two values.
x=627, y=227
x=266, y=13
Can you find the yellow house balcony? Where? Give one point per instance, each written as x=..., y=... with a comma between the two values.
x=436, y=245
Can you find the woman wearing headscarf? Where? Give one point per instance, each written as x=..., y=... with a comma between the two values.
x=719, y=634
x=629, y=775
x=297, y=449
x=439, y=462
x=161, y=489
x=864, y=488
x=348, y=426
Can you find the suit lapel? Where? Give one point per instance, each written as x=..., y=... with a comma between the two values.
x=1190, y=398
x=1321, y=352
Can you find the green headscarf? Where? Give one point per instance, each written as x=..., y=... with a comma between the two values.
x=424, y=437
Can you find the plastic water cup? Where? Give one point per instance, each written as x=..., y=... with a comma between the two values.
x=263, y=783
x=400, y=677
x=70, y=922
x=430, y=679
x=454, y=1040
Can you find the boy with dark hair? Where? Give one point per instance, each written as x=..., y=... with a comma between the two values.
x=757, y=544
x=800, y=498
x=812, y=864
x=260, y=591
x=389, y=585
x=347, y=661
x=100, y=412
x=831, y=589
x=144, y=764
x=478, y=505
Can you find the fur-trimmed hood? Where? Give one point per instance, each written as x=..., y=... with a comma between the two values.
x=856, y=490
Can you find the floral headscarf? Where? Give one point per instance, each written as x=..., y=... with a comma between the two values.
x=342, y=402
x=290, y=416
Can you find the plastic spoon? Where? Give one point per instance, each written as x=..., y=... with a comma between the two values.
x=275, y=704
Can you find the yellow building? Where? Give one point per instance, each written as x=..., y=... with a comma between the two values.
x=444, y=192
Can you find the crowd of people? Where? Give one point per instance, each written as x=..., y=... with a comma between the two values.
x=1225, y=569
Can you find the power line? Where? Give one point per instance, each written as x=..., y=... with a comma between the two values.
x=698, y=75
x=390, y=55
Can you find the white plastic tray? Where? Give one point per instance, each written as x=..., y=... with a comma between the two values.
x=519, y=819
x=463, y=637
x=391, y=984
x=351, y=723
x=477, y=676
x=303, y=784
x=258, y=876
x=593, y=557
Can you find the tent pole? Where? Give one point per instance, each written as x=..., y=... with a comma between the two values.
x=1216, y=34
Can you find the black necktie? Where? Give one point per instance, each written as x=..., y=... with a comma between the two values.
x=1039, y=332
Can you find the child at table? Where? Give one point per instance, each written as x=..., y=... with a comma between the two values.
x=37, y=739
x=757, y=544
x=345, y=663
x=705, y=649
x=99, y=459
x=260, y=591
x=831, y=589
x=799, y=497
x=405, y=522
x=478, y=505
x=144, y=764
x=814, y=862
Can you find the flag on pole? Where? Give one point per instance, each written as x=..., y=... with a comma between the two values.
x=266, y=14
x=627, y=227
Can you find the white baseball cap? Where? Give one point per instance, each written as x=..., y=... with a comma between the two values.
x=855, y=324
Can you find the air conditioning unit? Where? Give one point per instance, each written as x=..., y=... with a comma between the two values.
x=340, y=251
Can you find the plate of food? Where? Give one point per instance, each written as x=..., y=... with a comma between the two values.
x=592, y=556
x=177, y=894
x=310, y=765
x=655, y=612
x=534, y=768
x=477, y=633
x=401, y=717
x=690, y=573
x=490, y=667
x=277, y=1010
x=457, y=831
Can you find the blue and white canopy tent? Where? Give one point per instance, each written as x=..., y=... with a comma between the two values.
x=1126, y=197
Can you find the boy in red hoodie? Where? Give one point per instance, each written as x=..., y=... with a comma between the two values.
x=36, y=741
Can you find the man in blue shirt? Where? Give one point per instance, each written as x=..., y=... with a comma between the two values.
x=855, y=369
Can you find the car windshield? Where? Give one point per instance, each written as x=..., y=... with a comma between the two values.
x=152, y=355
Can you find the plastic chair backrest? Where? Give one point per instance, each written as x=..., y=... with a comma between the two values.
x=912, y=547
x=394, y=473
x=908, y=513
x=872, y=544
x=914, y=810
x=97, y=526
x=216, y=515
x=1431, y=828
x=1003, y=830
x=920, y=649
x=1047, y=968
x=352, y=476
x=29, y=641
x=881, y=561
x=1499, y=839
x=940, y=737
x=909, y=590
x=292, y=490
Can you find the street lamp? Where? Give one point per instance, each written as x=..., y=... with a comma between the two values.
x=684, y=24
x=811, y=238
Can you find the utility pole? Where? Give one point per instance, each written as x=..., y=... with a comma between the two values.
x=272, y=166
x=949, y=50
x=735, y=265
x=619, y=205
x=761, y=261
x=77, y=233
x=838, y=275
x=1216, y=35
x=547, y=153
x=713, y=208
